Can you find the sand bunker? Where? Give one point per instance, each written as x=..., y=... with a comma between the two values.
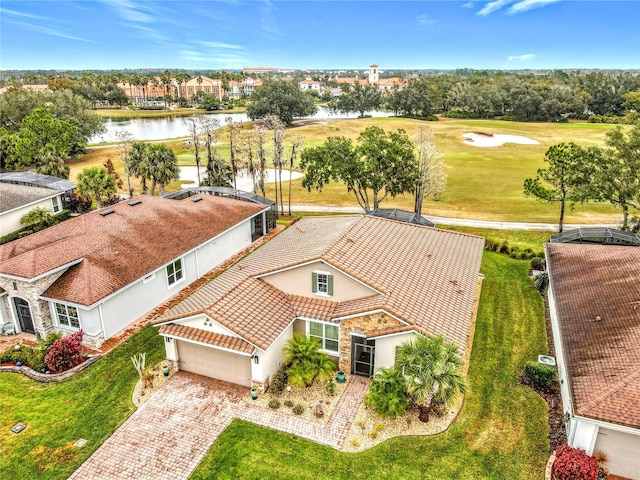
x=495, y=140
x=243, y=180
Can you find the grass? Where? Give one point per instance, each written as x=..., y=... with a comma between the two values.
x=522, y=239
x=90, y=405
x=501, y=432
x=483, y=183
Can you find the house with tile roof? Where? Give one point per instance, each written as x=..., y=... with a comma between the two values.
x=594, y=305
x=102, y=271
x=360, y=284
x=21, y=192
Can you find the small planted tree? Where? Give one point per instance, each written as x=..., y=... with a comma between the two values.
x=306, y=363
x=38, y=218
x=65, y=353
x=388, y=393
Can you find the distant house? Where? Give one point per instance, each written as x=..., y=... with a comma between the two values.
x=309, y=84
x=101, y=271
x=21, y=192
x=359, y=284
x=373, y=78
x=594, y=304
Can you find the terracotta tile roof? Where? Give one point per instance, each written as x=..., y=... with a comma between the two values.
x=117, y=249
x=602, y=357
x=210, y=338
x=428, y=276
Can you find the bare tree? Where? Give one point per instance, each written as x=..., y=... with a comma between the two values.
x=277, y=126
x=246, y=150
x=218, y=173
x=234, y=130
x=125, y=140
x=296, y=143
x=194, y=127
x=431, y=179
x=261, y=165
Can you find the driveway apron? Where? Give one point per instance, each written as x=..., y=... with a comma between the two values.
x=167, y=437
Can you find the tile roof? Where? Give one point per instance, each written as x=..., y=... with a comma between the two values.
x=210, y=338
x=602, y=356
x=14, y=196
x=114, y=250
x=428, y=278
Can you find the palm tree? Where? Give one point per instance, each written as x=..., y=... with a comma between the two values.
x=50, y=162
x=138, y=162
x=38, y=217
x=431, y=367
x=164, y=166
x=97, y=184
x=306, y=363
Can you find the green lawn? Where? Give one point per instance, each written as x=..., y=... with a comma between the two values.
x=90, y=405
x=522, y=239
x=501, y=432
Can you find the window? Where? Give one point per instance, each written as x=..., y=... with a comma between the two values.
x=326, y=333
x=56, y=204
x=207, y=89
x=174, y=272
x=67, y=315
x=322, y=283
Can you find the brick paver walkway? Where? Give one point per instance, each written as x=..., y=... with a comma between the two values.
x=169, y=435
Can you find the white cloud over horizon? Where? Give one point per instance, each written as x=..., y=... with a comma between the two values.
x=516, y=6
x=521, y=58
x=425, y=19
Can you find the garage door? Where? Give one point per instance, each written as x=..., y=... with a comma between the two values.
x=622, y=452
x=210, y=362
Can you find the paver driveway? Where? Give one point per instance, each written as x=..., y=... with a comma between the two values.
x=169, y=435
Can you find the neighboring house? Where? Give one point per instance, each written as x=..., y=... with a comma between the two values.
x=243, y=88
x=373, y=78
x=309, y=84
x=21, y=192
x=594, y=304
x=101, y=271
x=360, y=284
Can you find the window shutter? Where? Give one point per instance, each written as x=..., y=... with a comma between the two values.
x=330, y=280
x=314, y=282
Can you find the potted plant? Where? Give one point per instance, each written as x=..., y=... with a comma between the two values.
x=165, y=371
x=254, y=393
x=341, y=378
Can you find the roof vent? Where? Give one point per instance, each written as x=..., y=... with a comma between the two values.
x=196, y=200
x=135, y=202
x=597, y=318
x=547, y=360
x=107, y=212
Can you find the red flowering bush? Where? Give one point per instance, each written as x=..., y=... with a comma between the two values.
x=65, y=353
x=574, y=464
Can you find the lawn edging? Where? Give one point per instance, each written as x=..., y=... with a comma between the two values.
x=51, y=377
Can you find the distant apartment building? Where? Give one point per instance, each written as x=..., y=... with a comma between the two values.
x=261, y=70
x=373, y=78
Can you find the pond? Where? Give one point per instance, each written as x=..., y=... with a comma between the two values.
x=161, y=128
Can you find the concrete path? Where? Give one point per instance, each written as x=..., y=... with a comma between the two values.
x=460, y=222
x=169, y=435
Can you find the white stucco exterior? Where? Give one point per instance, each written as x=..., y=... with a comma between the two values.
x=10, y=220
x=385, y=353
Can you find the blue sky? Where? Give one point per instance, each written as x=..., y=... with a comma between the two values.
x=308, y=34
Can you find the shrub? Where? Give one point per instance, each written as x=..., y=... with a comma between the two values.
x=274, y=403
x=331, y=387
x=491, y=245
x=298, y=409
x=278, y=381
x=537, y=263
x=355, y=442
x=65, y=353
x=504, y=248
x=147, y=377
x=306, y=363
x=35, y=359
x=540, y=375
x=12, y=355
x=288, y=403
x=541, y=282
x=574, y=464
x=387, y=394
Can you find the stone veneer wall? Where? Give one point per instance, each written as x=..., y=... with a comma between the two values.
x=31, y=291
x=362, y=325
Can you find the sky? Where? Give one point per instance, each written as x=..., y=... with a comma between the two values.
x=319, y=35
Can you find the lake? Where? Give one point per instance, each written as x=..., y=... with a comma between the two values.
x=175, y=127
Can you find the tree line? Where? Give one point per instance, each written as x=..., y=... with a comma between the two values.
x=577, y=174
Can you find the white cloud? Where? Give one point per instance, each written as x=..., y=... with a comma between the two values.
x=525, y=5
x=14, y=13
x=268, y=22
x=493, y=6
x=49, y=31
x=229, y=46
x=467, y=5
x=521, y=58
x=131, y=11
x=424, y=19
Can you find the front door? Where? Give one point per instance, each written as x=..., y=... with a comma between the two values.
x=362, y=356
x=24, y=315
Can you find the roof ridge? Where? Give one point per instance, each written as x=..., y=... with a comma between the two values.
x=607, y=392
x=343, y=235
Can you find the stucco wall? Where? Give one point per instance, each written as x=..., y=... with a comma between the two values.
x=212, y=325
x=623, y=452
x=10, y=221
x=385, y=353
x=297, y=281
x=271, y=360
